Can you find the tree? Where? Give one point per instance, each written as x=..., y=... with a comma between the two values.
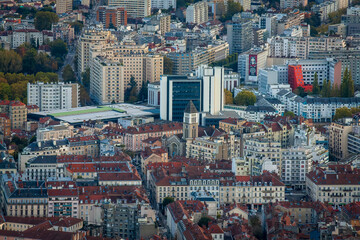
x=84, y=96
x=232, y=8
x=29, y=62
x=143, y=93
x=335, y=91
x=10, y=61
x=130, y=93
x=167, y=200
x=345, y=84
x=86, y=78
x=343, y=112
x=168, y=65
x=228, y=97
x=245, y=98
x=111, y=26
x=350, y=88
x=204, y=221
x=68, y=74
x=326, y=89
x=300, y=91
x=58, y=48
x=316, y=88
x=78, y=26
x=44, y=20
x=289, y=114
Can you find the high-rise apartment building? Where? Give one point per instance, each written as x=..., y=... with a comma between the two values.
x=16, y=111
x=205, y=90
x=163, y=4
x=250, y=63
x=185, y=63
x=292, y=3
x=53, y=96
x=240, y=36
x=63, y=6
x=197, y=13
x=89, y=38
x=134, y=8
x=106, y=81
x=338, y=139
x=115, y=16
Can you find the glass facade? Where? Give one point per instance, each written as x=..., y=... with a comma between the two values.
x=182, y=93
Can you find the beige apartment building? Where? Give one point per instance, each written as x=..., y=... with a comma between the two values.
x=211, y=149
x=57, y=132
x=338, y=185
x=165, y=24
x=63, y=6
x=338, y=139
x=87, y=39
x=106, y=81
x=16, y=111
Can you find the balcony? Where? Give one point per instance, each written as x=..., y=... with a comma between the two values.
x=267, y=191
x=347, y=190
x=327, y=190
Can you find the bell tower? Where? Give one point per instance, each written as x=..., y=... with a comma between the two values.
x=191, y=121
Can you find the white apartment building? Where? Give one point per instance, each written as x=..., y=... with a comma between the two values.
x=300, y=47
x=231, y=80
x=53, y=96
x=326, y=69
x=296, y=163
x=22, y=36
x=250, y=63
x=257, y=150
x=163, y=4
x=197, y=13
x=154, y=94
x=134, y=8
x=106, y=81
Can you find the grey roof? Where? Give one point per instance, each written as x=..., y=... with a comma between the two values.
x=332, y=100
x=273, y=100
x=46, y=144
x=282, y=92
x=30, y=193
x=190, y=108
x=260, y=109
x=223, y=115
x=7, y=165
x=44, y=159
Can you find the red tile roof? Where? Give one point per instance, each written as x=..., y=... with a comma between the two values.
x=119, y=177
x=148, y=128
x=339, y=177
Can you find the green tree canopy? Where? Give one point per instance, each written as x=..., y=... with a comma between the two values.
x=326, y=89
x=10, y=61
x=289, y=114
x=44, y=20
x=232, y=8
x=143, y=93
x=58, y=48
x=343, y=112
x=316, y=88
x=167, y=200
x=245, y=98
x=347, y=85
x=68, y=74
x=86, y=78
x=204, y=221
x=300, y=91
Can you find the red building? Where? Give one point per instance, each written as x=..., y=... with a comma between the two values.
x=296, y=79
x=116, y=16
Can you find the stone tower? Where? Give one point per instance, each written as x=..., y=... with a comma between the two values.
x=191, y=121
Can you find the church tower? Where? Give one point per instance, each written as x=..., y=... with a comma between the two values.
x=191, y=121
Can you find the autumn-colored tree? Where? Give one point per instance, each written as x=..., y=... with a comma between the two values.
x=228, y=97
x=245, y=98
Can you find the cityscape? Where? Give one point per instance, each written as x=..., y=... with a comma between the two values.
x=179, y=119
